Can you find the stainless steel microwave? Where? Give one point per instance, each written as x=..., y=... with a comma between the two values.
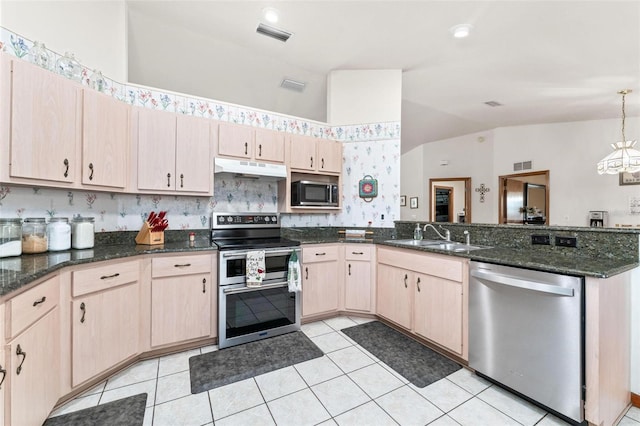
x=308, y=193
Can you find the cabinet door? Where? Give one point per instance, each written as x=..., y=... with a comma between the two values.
x=194, y=162
x=156, y=150
x=303, y=152
x=269, y=146
x=320, y=286
x=35, y=371
x=357, y=286
x=438, y=311
x=329, y=156
x=105, y=140
x=180, y=308
x=45, y=124
x=104, y=330
x=395, y=290
x=235, y=140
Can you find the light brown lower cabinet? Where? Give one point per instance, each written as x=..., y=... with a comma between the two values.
x=320, y=279
x=33, y=354
x=359, y=284
x=426, y=294
x=105, y=310
x=181, y=299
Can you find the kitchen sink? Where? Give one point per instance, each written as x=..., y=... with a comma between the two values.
x=439, y=244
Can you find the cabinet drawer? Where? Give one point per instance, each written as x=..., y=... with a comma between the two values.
x=180, y=265
x=320, y=253
x=28, y=307
x=358, y=252
x=437, y=265
x=103, y=277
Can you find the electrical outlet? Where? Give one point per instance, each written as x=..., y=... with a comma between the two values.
x=541, y=240
x=566, y=241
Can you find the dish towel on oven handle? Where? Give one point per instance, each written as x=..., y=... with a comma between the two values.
x=255, y=268
x=294, y=274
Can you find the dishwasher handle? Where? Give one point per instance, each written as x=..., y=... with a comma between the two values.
x=520, y=283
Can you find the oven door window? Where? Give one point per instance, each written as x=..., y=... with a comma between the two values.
x=259, y=310
x=273, y=264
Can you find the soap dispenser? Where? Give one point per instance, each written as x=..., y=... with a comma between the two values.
x=417, y=233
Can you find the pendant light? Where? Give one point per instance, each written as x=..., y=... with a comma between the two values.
x=624, y=158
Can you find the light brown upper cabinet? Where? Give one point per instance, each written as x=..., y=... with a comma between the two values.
x=174, y=153
x=246, y=142
x=105, y=140
x=41, y=123
x=316, y=155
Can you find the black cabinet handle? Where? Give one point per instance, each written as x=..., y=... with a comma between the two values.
x=357, y=252
x=349, y=269
x=260, y=150
x=418, y=283
x=37, y=302
x=66, y=165
x=181, y=180
x=204, y=285
x=322, y=163
x=91, y=169
x=168, y=180
x=105, y=277
x=4, y=375
x=321, y=254
x=23, y=354
x=83, y=308
x=311, y=162
x=406, y=277
x=181, y=265
x=246, y=148
x=306, y=273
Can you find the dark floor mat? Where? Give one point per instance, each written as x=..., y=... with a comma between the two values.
x=123, y=412
x=414, y=361
x=219, y=368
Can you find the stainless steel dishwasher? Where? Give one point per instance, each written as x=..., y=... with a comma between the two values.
x=526, y=332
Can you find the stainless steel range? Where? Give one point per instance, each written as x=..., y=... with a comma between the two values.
x=247, y=313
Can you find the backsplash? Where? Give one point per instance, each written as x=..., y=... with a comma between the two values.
x=369, y=149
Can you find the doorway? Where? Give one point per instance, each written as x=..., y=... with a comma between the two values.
x=454, y=208
x=524, y=198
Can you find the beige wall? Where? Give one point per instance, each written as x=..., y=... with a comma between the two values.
x=94, y=31
x=364, y=96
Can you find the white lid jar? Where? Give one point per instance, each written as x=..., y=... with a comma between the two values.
x=82, y=232
x=59, y=234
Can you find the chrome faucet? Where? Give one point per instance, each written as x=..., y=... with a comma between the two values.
x=467, y=238
x=446, y=236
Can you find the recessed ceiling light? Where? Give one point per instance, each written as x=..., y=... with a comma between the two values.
x=273, y=32
x=460, y=31
x=270, y=14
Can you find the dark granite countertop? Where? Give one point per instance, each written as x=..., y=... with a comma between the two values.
x=16, y=272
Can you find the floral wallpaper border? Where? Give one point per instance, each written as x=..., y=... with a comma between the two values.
x=152, y=98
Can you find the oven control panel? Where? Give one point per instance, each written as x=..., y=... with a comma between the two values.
x=245, y=219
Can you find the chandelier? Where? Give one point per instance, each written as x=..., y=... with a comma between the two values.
x=624, y=158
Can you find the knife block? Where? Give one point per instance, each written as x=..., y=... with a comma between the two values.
x=145, y=236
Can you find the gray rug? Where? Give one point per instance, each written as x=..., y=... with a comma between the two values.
x=219, y=368
x=414, y=361
x=123, y=412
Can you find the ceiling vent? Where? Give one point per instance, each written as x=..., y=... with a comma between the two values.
x=296, y=86
x=525, y=165
x=273, y=32
x=493, y=103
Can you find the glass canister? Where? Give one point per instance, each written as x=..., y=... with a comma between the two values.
x=59, y=234
x=10, y=233
x=69, y=67
x=40, y=55
x=34, y=235
x=82, y=232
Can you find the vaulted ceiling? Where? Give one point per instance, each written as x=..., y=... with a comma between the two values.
x=544, y=61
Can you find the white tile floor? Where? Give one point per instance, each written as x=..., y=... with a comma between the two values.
x=347, y=386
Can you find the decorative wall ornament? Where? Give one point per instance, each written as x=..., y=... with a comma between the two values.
x=368, y=188
x=482, y=190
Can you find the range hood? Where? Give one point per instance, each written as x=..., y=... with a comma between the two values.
x=245, y=168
